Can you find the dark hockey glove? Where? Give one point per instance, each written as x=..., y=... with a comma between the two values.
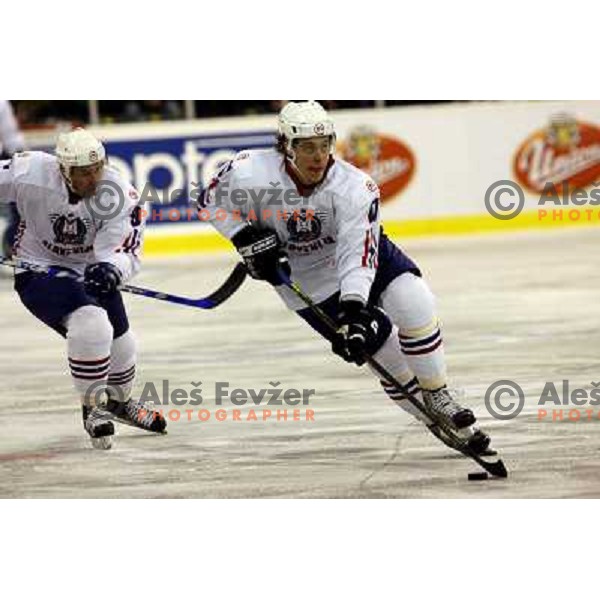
x=357, y=331
x=262, y=254
x=101, y=279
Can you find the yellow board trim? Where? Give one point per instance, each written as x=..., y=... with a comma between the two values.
x=211, y=241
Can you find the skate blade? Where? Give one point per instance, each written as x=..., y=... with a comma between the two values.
x=132, y=424
x=102, y=443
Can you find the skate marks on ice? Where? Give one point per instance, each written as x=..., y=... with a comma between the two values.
x=520, y=307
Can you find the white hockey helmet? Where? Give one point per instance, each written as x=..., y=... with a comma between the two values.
x=78, y=148
x=299, y=120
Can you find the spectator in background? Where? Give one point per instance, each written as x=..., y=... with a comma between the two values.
x=153, y=110
x=31, y=113
x=11, y=141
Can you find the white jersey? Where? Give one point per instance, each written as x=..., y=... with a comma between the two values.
x=331, y=235
x=11, y=139
x=54, y=231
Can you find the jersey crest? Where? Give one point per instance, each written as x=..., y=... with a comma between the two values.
x=304, y=226
x=69, y=229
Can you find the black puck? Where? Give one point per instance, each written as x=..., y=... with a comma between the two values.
x=480, y=476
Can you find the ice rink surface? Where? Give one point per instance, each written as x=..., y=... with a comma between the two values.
x=522, y=307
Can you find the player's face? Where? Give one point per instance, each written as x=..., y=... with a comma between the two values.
x=312, y=156
x=85, y=179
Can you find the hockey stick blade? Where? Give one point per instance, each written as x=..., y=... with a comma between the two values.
x=227, y=289
x=220, y=295
x=496, y=468
x=231, y=285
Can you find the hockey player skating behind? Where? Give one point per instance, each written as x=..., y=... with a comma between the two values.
x=11, y=141
x=333, y=246
x=65, y=224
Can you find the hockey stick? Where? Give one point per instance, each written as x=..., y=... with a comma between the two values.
x=496, y=468
x=227, y=289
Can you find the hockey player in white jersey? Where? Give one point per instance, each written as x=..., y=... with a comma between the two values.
x=72, y=218
x=11, y=141
x=328, y=236
x=11, y=138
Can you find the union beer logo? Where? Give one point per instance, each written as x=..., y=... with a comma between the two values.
x=390, y=162
x=567, y=152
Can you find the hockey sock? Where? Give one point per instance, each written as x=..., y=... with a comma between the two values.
x=89, y=336
x=390, y=356
x=411, y=306
x=121, y=376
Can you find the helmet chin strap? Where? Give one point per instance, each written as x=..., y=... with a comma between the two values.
x=291, y=155
x=65, y=173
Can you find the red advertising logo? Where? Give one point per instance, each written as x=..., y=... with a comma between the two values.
x=567, y=152
x=390, y=162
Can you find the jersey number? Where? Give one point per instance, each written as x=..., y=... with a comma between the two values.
x=136, y=216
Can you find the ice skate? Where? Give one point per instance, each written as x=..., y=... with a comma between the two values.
x=137, y=413
x=444, y=407
x=99, y=427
